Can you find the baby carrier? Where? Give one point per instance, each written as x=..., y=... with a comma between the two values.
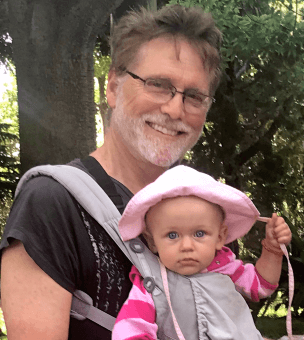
x=200, y=312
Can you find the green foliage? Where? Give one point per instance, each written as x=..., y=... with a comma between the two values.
x=101, y=68
x=9, y=104
x=6, y=52
x=8, y=164
x=275, y=328
x=9, y=172
x=254, y=136
x=2, y=327
x=9, y=150
x=101, y=65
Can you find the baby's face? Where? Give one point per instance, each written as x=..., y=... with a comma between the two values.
x=186, y=232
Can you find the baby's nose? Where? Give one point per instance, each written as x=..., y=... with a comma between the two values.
x=186, y=243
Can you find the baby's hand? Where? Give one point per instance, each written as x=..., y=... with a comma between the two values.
x=277, y=231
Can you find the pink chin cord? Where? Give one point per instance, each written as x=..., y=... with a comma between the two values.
x=163, y=272
x=290, y=284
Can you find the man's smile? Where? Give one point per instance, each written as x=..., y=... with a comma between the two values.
x=164, y=130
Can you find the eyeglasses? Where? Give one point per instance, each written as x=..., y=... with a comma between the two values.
x=161, y=91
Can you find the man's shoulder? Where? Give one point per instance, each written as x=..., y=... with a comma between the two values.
x=42, y=189
x=46, y=184
x=77, y=164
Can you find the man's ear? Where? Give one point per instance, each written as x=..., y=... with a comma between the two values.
x=111, y=92
x=223, y=232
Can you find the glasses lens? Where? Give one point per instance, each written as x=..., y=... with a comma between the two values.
x=159, y=89
x=196, y=103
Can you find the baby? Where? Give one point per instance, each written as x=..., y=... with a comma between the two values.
x=186, y=218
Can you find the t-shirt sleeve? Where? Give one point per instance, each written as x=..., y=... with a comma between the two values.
x=44, y=217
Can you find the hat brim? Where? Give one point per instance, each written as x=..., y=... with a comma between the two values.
x=240, y=212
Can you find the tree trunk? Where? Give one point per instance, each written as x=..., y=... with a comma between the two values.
x=53, y=44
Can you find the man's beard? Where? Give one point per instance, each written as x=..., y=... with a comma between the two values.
x=155, y=150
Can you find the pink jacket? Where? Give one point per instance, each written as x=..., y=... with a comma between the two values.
x=136, y=319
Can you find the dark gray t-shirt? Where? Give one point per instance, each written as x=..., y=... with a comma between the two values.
x=71, y=247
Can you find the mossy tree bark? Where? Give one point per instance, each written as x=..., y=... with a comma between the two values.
x=53, y=44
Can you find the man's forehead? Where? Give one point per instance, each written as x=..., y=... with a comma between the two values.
x=171, y=58
x=174, y=47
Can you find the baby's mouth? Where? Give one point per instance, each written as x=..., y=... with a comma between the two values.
x=188, y=260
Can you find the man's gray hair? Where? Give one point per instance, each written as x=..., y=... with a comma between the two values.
x=191, y=24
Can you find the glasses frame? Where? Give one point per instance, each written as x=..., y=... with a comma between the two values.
x=174, y=89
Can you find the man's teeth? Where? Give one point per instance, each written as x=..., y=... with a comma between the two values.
x=163, y=129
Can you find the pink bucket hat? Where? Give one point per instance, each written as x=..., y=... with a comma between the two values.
x=240, y=212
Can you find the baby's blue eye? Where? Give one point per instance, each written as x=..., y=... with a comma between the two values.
x=172, y=235
x=200, y=233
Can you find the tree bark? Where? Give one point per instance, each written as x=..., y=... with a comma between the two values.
x=53, y=44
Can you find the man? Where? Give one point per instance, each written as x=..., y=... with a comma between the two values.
x=165, y=69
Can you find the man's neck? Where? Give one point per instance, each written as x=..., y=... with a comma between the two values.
x=124, y=167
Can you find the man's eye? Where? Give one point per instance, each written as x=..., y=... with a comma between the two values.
x=172, y=235
x=158, y=84
x=200, y=233
x=195, y=98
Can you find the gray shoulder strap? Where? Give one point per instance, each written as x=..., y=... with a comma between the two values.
x=86, y=191
x=97, y=203
x=82, y=308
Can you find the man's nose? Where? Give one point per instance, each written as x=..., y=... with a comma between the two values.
x=174, y=107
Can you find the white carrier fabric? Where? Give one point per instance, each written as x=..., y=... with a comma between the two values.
x=202, y=312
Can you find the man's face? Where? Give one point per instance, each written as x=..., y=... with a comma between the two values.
x=153, y=132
